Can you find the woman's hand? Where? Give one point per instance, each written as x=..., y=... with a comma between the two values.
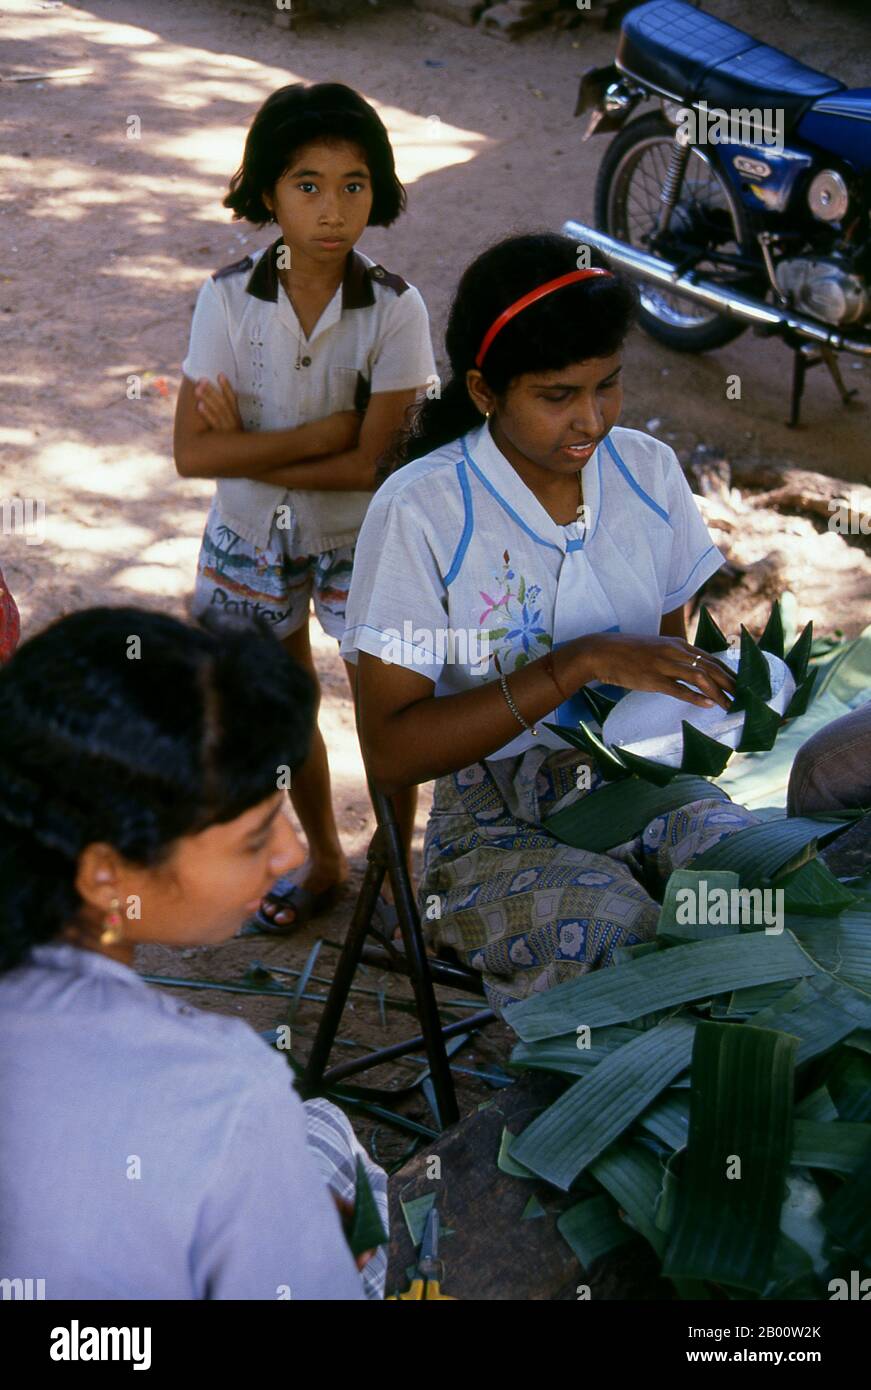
x=660, y=664
x=218, y=405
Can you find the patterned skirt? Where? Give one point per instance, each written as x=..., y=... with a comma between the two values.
x=526, y=910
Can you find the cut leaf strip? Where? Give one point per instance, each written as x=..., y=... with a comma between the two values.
x=656, y=981
x=592, y=1228
x=726, y=1228
x=611, y=815
x=595, y=1111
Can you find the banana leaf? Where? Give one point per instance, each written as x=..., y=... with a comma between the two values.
x=847, y=1216
x=669, y=1120
x=817, y=1106
x=798, y=656
x=709, y=637
x=595, y=1111
x=726, y=1229
x=819, y=1012
x=592, y=1228
x=563, y=1054
x=743, y=1003
x=505, y=1163
x=589, y=742
x=761, y=725
x=842, y=947
x=849, y=1081
x=702, y=756
x=683, y=881
x=762, y=854
x=694, y=971
x=600, y=704
x=773, y=639
x=792, y=1273
x=813, y=888
x=367, y=1230
x=660, y=774
x=801, y=697
x=611, y=815
x=753, y=676
x=633, y=1177
x=840, y=1148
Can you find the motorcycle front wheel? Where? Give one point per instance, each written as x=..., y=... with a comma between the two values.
x=707, y=215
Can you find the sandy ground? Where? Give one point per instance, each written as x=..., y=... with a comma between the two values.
x=104, y=241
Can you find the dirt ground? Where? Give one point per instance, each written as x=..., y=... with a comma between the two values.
x=104, y=241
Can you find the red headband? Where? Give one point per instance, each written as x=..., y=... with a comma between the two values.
x=515, y=308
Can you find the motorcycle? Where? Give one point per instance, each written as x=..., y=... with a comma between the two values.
x=758, y=217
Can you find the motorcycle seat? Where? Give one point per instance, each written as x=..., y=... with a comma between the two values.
x=695, y=57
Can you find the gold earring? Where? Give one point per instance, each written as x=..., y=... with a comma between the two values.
x=486, y=415
x=111, y=933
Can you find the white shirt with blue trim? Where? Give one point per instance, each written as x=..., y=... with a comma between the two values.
x=458, y=562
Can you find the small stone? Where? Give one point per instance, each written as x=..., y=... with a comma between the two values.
x=462, y=11
x=503, y=22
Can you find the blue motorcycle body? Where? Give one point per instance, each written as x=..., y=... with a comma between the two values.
x=792, y=155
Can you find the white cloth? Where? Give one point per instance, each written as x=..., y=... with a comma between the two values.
x=149, y=1150
x=458, y=561
x=369, y=336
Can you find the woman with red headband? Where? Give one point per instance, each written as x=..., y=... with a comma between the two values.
x=531, y=548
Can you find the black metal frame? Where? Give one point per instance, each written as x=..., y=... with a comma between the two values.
x=386, y=856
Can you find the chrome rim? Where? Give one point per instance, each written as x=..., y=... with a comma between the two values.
x=633, y=209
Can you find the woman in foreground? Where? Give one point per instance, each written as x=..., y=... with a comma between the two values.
x=149, y=1150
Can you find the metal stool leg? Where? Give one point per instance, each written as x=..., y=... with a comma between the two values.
x=346, y=968
x=386, y=855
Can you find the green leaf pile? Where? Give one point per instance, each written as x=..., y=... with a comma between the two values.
x=722, y=1109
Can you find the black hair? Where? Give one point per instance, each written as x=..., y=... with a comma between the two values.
x=98, y=744
x=298, y=115
x=588, y=319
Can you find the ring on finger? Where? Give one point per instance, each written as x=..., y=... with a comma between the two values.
x=696, y=660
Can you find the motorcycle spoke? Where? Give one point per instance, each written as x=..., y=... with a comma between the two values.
x=702, y=214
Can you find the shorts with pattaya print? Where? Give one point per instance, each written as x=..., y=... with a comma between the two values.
x=241, y=583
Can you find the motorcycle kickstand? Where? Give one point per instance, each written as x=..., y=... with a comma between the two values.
x=806, y=356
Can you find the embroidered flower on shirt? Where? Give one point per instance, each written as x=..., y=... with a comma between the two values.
x=492, y=604
x=522, y=637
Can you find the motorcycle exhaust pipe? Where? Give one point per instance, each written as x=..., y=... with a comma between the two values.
x=740, y=306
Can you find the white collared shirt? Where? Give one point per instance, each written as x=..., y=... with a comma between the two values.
x=458, y=562
x=372, y=337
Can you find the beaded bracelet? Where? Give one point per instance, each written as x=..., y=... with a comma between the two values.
x=530, y=728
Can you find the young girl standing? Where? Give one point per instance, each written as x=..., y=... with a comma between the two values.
x=529, y=517
x=303, y=361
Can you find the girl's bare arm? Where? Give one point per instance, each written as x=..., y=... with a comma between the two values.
x=203, y=452
x=352, y=469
